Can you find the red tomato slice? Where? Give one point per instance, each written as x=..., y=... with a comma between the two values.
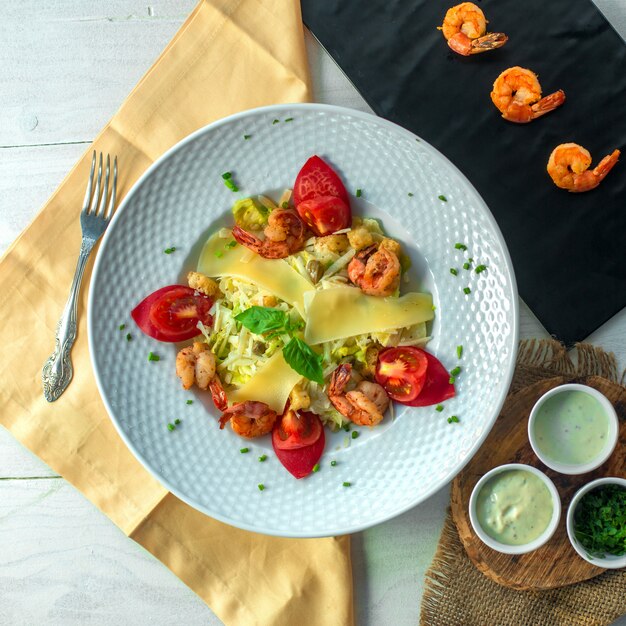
x=317, y=178
x=172, y=313
x=325, y=215
x=402, y=372
x=300, y=461
x=437, y=386
x=296, y=430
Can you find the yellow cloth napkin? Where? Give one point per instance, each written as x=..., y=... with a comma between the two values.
x=227, y=57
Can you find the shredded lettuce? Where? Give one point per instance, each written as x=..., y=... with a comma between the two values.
x=250, y=214
x=241, y=353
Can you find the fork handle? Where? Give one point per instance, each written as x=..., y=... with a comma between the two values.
x=57, y=371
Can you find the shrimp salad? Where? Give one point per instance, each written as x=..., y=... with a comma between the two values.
x=299, y=320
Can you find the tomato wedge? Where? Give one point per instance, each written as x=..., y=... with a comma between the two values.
x=325, y=215
x=296, y=430
x=172, y=313
x=300, y=461
x=437, y=386
x=317, y=178
x=402, y=372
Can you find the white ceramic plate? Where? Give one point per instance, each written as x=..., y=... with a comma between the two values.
x=182, y=198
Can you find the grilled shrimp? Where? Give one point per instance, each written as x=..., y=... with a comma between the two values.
x=364, y=405
x=249, y=419
x=464, y=28
x=196, y=364
x=517, y=95
x=376, y=270
x=284, y=235
x=568, y=167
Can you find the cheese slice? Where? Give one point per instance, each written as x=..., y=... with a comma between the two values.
x=346, y=311
x=275, y=275
x=271, y=384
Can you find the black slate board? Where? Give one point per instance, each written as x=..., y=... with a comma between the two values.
x=568, y=250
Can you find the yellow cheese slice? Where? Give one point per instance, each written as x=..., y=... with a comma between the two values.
x=271, y=384
x=346, y=311
x=275, y=275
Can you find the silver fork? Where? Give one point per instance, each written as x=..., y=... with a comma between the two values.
x=94, y=218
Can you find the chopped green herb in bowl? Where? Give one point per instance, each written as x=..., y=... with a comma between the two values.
x=596, y=522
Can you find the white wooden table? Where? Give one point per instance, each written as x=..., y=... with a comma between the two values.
x=65, y=67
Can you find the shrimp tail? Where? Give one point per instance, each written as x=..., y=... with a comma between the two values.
x=606, y=165
x=218, y=394
x=224, y=419
x=247, y=239
x=548, y=103
x=465, y=46
x=339, y=379
x=490, y=41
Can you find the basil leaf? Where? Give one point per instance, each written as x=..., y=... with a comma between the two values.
x=301, y=358
x=260, y=319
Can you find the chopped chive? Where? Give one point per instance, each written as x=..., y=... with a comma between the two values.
x=153, y=357
x=439, y=408
x=452, y=380
x=355, y=434
x=285, y=205
x=410, y=194
x=460, y=246
x=231, y=244
x=347, y=484
x=453, y=419
x=459, y=352
x=230, y=184
x=171, y=427
x=169, y=250
x=128, y=336
x=443, y=198
x=261, y=486
x=467, y=290
x=246, y=137
x=470, y=259
x=466, y=266
x=333, y=463
x=316, y=468
x=456, y=371
x=219, y=254
x=289, y=119
x=189, y=401
x=227, y=175
x=454, y=271
x=177, y=421
x=358, y=193
x=433, y=307
x=276, y=122
x=122, y=326
x=347, y=427
x=262, y=458
x=244, y=450
x=480, y=268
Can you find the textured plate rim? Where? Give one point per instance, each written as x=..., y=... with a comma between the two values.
x=344, y=111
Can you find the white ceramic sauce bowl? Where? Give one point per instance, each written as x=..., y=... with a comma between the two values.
x=608, y=561
x=605, y=452
x=507, y=548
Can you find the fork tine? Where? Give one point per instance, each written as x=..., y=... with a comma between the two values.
x=101, y=208
x=111, y=208
x=96, y=195
x=90, y=183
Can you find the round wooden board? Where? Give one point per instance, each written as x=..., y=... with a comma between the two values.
x=556, y=564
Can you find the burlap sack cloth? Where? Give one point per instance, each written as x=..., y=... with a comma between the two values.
x=458, y=594
x=230, y=55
